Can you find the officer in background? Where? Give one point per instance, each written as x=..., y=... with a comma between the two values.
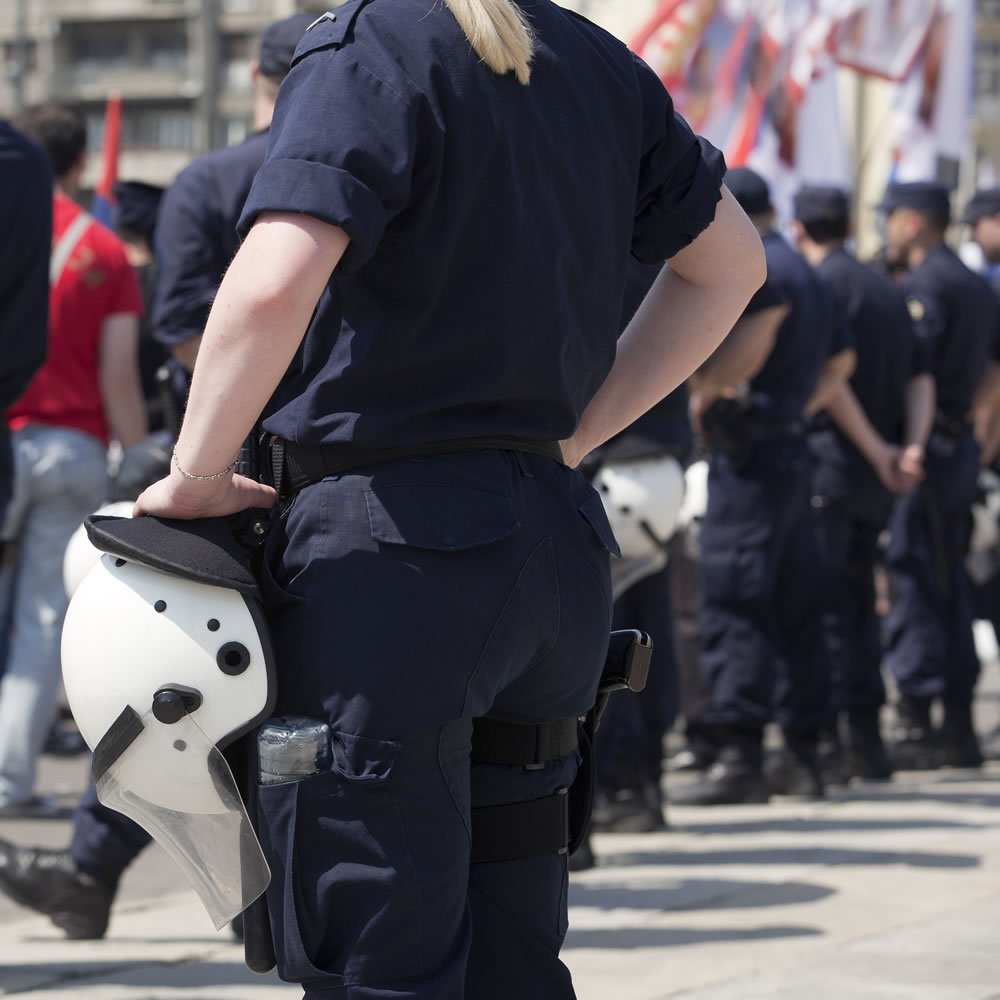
x=929, y=627
x=196, y=235
x=763, y=586
x=195, y=240
x=869, y=447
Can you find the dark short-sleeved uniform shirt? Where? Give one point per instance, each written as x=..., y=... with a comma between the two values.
x=25, y=244
x=888, y=356
x=954, y=313
x=196, y=236
x=812, y=331
x=490, y=223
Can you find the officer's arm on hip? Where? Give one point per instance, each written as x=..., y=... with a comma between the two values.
x=691, y=306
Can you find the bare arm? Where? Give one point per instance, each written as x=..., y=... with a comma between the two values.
x=259, y=317
x=836, y=370
x=986, y=412
x=118, y=378
x=693, y=304
x=921, y=401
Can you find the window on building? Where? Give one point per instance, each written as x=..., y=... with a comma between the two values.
x=990, y=9
x=12, y=54
x=237, y=53
x=987, y=69
x=165, y=129
x=167, y=47
x=100, y=50
x=229, y=131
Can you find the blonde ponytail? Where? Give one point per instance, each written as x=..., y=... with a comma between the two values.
x=498, y=32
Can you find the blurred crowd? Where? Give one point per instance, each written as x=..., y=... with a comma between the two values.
x=810, y=521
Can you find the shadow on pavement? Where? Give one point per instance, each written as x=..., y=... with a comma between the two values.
x=693, y=894
x=673, y=937
x=820, y=824
x=790, y=856
x=170, y=975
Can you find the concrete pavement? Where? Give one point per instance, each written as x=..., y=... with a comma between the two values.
x=887, y=892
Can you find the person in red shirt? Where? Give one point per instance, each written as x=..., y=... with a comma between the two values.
x=86, y=394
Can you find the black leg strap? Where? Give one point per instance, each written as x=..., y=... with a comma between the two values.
x=521, y=829
x=532, y=747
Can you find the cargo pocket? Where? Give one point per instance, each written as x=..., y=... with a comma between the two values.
x=441, y=518
x=344, y=899
x=593, y=512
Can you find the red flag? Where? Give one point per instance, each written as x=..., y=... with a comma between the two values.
x=104, y=198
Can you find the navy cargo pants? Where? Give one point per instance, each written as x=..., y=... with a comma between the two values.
x=763, y=584
x=929, y=628
x=405, y=600
x=104, y=842
x=851, y=624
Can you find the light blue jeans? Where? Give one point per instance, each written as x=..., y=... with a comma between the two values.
x=60, y=476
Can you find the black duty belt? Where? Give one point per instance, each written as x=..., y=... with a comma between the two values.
x=950, y=425
x=295, y=466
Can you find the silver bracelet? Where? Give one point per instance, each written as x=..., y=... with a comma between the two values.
x=202, y=479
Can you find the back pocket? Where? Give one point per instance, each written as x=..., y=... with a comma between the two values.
x=442, y=518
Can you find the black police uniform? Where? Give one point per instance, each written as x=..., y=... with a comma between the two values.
x=476, y=302
x=26, y=225
x=929, y=627
x=854, y=505
x=763, y=586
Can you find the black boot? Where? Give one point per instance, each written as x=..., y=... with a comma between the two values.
x=49, y=882
x=795, y=770
x=832, y=758
x=736, y=777
x=957, y=741
x=912, y=747
x=865, y=753
x=628, y=810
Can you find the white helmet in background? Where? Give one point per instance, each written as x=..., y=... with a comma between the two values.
x=161, y=672
x=80, y=555
x=642, y=499
x=695, y=504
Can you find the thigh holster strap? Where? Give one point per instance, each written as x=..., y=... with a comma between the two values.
x=531, y=746
x=521, y=829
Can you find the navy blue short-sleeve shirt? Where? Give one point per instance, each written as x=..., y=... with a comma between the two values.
x=491, y=223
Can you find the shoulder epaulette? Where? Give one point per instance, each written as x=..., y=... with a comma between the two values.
x=329, y=30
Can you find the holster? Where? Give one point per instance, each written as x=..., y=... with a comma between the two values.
x=558, y=823
x=729, y=431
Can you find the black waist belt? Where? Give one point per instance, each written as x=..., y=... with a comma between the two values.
x=767, y=432
x=949, y=425
x=296, y=466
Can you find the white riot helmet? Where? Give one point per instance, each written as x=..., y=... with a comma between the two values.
x=81, y=556
x=642, y=499
x=695, y=504
x=166, y=661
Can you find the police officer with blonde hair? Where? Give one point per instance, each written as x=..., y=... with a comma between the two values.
x=425, y=307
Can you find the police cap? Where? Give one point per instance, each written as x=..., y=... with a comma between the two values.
x=138, y=203
x=750, y=190
x=818, y=203
x=929, y=197
x=277, y=46
x=986, y=201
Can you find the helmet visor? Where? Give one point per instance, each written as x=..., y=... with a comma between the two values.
x=175, y=783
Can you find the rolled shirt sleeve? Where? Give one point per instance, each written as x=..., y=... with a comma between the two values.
x=680, y=182
x=341, y=150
